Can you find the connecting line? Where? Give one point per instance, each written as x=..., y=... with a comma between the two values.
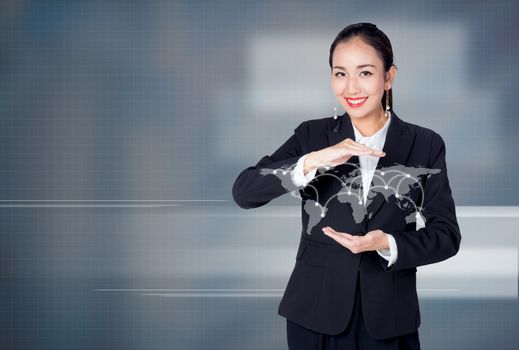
x=386, y=185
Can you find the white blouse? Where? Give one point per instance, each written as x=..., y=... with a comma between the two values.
x=368, y=164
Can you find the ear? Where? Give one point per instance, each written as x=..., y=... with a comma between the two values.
x=390, y=76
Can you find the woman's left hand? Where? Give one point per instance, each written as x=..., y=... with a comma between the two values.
x=373, y=240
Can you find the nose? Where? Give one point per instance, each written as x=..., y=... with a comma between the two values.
x=352, y=87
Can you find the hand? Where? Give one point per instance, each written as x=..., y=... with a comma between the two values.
x=373, y=240
x=338, y=154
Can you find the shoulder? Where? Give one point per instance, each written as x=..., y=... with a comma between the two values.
x=316, y=123
x=427, y=139
x=313, y=127
x=423, y=133
x=420, y=131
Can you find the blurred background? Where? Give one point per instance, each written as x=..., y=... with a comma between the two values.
x=123, y=125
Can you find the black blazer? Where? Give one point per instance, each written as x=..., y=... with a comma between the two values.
x=320, y=292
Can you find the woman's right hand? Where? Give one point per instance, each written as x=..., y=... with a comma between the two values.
x=338, y=154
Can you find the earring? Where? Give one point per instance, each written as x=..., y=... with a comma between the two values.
x=335, y=111
x=387, y=113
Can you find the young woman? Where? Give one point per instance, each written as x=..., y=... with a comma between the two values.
x=354, y=281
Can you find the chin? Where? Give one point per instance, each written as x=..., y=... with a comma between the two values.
x=358, y=114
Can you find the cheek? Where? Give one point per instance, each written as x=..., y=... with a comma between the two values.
x=373, y=87
x=338, y=86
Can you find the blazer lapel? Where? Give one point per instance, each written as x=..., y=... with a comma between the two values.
x=398, y=144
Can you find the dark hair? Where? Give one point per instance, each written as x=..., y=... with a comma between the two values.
x=373, y=36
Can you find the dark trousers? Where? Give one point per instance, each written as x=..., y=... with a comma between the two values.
x=355, y=336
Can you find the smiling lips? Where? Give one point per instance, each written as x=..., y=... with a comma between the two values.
x=356, y=102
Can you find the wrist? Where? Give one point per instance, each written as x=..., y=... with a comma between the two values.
x=385, y=241
x=310, y=162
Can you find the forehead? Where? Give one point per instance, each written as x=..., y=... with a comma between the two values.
x=355, y=52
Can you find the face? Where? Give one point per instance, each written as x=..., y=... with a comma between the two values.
x=358, y=80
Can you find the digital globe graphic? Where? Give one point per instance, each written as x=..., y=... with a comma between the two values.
x=395, y=183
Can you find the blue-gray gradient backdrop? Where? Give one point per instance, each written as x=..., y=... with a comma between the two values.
x=123, y=125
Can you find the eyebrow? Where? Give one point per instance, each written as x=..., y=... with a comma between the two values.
x=360, y=66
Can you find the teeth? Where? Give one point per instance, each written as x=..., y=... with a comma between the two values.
x=356, y=102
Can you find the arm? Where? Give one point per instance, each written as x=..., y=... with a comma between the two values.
x=256, y=185
x=440, y=238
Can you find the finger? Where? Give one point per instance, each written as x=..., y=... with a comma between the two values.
x=351, y=147
x=348, y=236
x=337, y=233
x=338, y=238
x=353, y=143
x=332, y=233
x=358, y=145
x=364, y=152
x=328, y=231
x=355, y=148
x=363, y=146
x=328, y=228
x=374, y=152
x=354, y=245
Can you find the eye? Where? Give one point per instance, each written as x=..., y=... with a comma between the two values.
x=369, y=73
x=337, y=74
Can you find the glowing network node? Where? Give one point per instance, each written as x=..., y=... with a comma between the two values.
x=349, y=192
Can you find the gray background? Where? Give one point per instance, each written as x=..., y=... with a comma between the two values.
x=123, y=125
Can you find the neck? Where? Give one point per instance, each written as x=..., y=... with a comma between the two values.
x=370, y=124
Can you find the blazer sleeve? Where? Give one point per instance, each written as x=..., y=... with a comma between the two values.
x=440, y=238
x=257, y=185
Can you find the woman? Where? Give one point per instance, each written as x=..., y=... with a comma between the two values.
x=354, y=282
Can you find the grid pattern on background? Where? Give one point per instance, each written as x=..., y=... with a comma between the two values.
x=123, y=125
